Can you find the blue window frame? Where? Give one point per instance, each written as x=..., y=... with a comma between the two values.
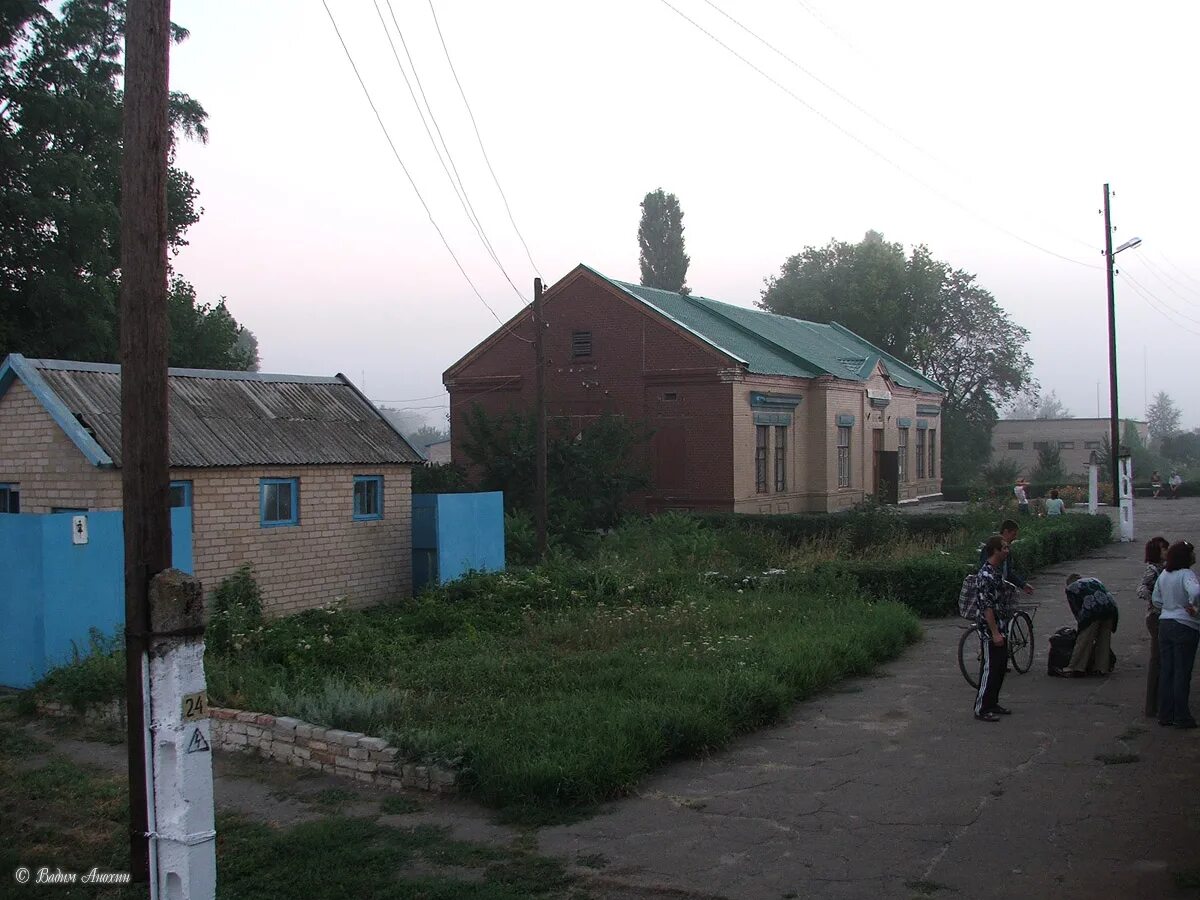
x=279, y=502
x=181, y=494
x=10, y=498
x=368, y=497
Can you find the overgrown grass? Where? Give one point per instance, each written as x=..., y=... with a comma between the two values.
x=561, y=686
x=59, y=814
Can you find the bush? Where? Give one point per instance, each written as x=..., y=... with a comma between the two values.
x=236, y=612
x=93, y=675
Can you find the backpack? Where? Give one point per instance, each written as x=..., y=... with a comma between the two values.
x=1062, y=644
x=968, y=597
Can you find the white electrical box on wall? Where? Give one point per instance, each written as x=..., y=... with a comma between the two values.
x=79, y=532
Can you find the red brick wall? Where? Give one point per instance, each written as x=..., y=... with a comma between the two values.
x=637, y=362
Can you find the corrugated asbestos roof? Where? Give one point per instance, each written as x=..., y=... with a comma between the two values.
x=222, y=418
x=771, y=344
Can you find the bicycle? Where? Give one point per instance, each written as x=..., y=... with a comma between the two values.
x=1018, y=635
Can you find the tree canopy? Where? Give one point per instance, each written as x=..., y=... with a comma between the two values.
x=60, y=157
x=1034, y=405
x=660, y=239
x=927, y=313
x=1162, y=417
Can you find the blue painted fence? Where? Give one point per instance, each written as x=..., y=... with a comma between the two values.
x=456, y=533
x=54, y=591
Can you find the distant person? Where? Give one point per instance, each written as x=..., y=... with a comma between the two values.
x=1096, y=617
x=1054, y=506
x=990, y=624
x=1156, y=552
x=1022, y=496
x=1009, y=530
x=1176, y=484
x=1156, y=483
x=1177, y=596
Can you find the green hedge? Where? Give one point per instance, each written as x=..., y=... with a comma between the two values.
x=929, y=584
x=862, y=528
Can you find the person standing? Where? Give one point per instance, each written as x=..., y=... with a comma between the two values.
x=1055, y=505
x=1177, y=595
x=993, y=656
x=1009, y=530
x=1096, y=617
x=1022, y=495
x=1156, y=550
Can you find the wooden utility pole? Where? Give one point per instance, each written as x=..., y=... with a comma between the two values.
x=145, y=470
x=1114, y=437
x=539, y=351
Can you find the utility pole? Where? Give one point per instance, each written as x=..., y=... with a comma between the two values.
x=539, y=350
x=145, y=470
x=1114, y=437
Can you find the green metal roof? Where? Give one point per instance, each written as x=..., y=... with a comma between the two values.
x=771, y=344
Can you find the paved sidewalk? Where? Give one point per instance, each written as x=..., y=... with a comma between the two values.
x=889, y=788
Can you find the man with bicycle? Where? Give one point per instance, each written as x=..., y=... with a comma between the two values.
x=1008, y=573
x=991, y=625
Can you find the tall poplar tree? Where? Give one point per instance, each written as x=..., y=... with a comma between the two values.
x=660, y=239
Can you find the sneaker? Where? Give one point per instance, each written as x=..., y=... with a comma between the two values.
x=1190, y=723
x=987, y=717
x=1001, y=710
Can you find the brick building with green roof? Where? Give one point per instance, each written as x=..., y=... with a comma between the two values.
x=749, y=411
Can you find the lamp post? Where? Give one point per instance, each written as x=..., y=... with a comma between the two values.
x=1114, y=437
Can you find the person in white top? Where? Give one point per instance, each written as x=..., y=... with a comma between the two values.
x=1176, y=482
x=1022, y=496
x=1177, y=594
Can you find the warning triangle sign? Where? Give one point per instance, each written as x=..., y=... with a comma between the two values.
x=197, y=743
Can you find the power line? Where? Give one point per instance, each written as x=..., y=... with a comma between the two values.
x=479, y=138
x=1177, y=268
x=396, y=153
x=414, y=399
x=456, y=182
x=872, y=150
x=1133, y=281
x=1168, y=281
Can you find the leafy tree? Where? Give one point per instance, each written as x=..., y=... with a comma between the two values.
x=660, y=239
x=60, y=157
x=1049, y=467
x=589, y=475
x=427, y=434
x=1162, y=417
x=1182, y=448
x=205, y=335
x=1033, y=405
x=247, y=345
x=1001, y=473
x=440, y=478
x=921, y=310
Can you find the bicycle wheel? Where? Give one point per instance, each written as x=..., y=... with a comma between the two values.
x=1020, y=642
x=969, y=657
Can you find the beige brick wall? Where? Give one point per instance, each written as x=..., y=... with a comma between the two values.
x=327, y=555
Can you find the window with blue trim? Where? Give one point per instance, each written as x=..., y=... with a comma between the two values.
x=368, y=497
x=279, y=501
x=10, y=498
x=181, y=494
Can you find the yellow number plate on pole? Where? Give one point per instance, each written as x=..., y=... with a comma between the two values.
x=195, y=706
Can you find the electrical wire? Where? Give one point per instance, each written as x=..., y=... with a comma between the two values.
x=1177, y=268
x=875, y=152
x=479, y=138
x=1134, y=282
x=456, y=182
x=407, y=174
x=414, y=399
x=1168, y=281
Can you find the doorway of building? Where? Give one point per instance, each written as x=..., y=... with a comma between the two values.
x=876, y=449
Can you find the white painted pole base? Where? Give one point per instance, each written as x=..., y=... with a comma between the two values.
x=1126, y=483
x=1093, y=488
x=183, y=850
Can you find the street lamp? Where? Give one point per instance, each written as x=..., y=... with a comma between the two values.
x=1114, y=437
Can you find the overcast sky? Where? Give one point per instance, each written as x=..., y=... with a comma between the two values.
x=980, y=130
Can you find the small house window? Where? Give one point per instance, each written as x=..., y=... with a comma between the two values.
x=279, y=501
x=368, y=497
x=780, y=458
x=1041, y=445
x=181, y=494
x=10, y=498
x=843, y=456
x=761, y=436
x=1066, y=445
x=1093, y=445
x=902, y=455
x=920, y=453
x=932, y=451
x=671, y=396
x=581, y=344
x=1016, y=445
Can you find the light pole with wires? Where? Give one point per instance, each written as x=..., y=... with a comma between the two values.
x=1114, y=437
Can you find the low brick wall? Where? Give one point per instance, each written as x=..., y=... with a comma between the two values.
x=347, y=753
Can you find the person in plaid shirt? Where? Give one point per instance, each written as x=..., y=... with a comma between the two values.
x=991, y=627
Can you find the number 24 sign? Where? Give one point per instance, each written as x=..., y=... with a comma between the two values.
x=195, y=706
